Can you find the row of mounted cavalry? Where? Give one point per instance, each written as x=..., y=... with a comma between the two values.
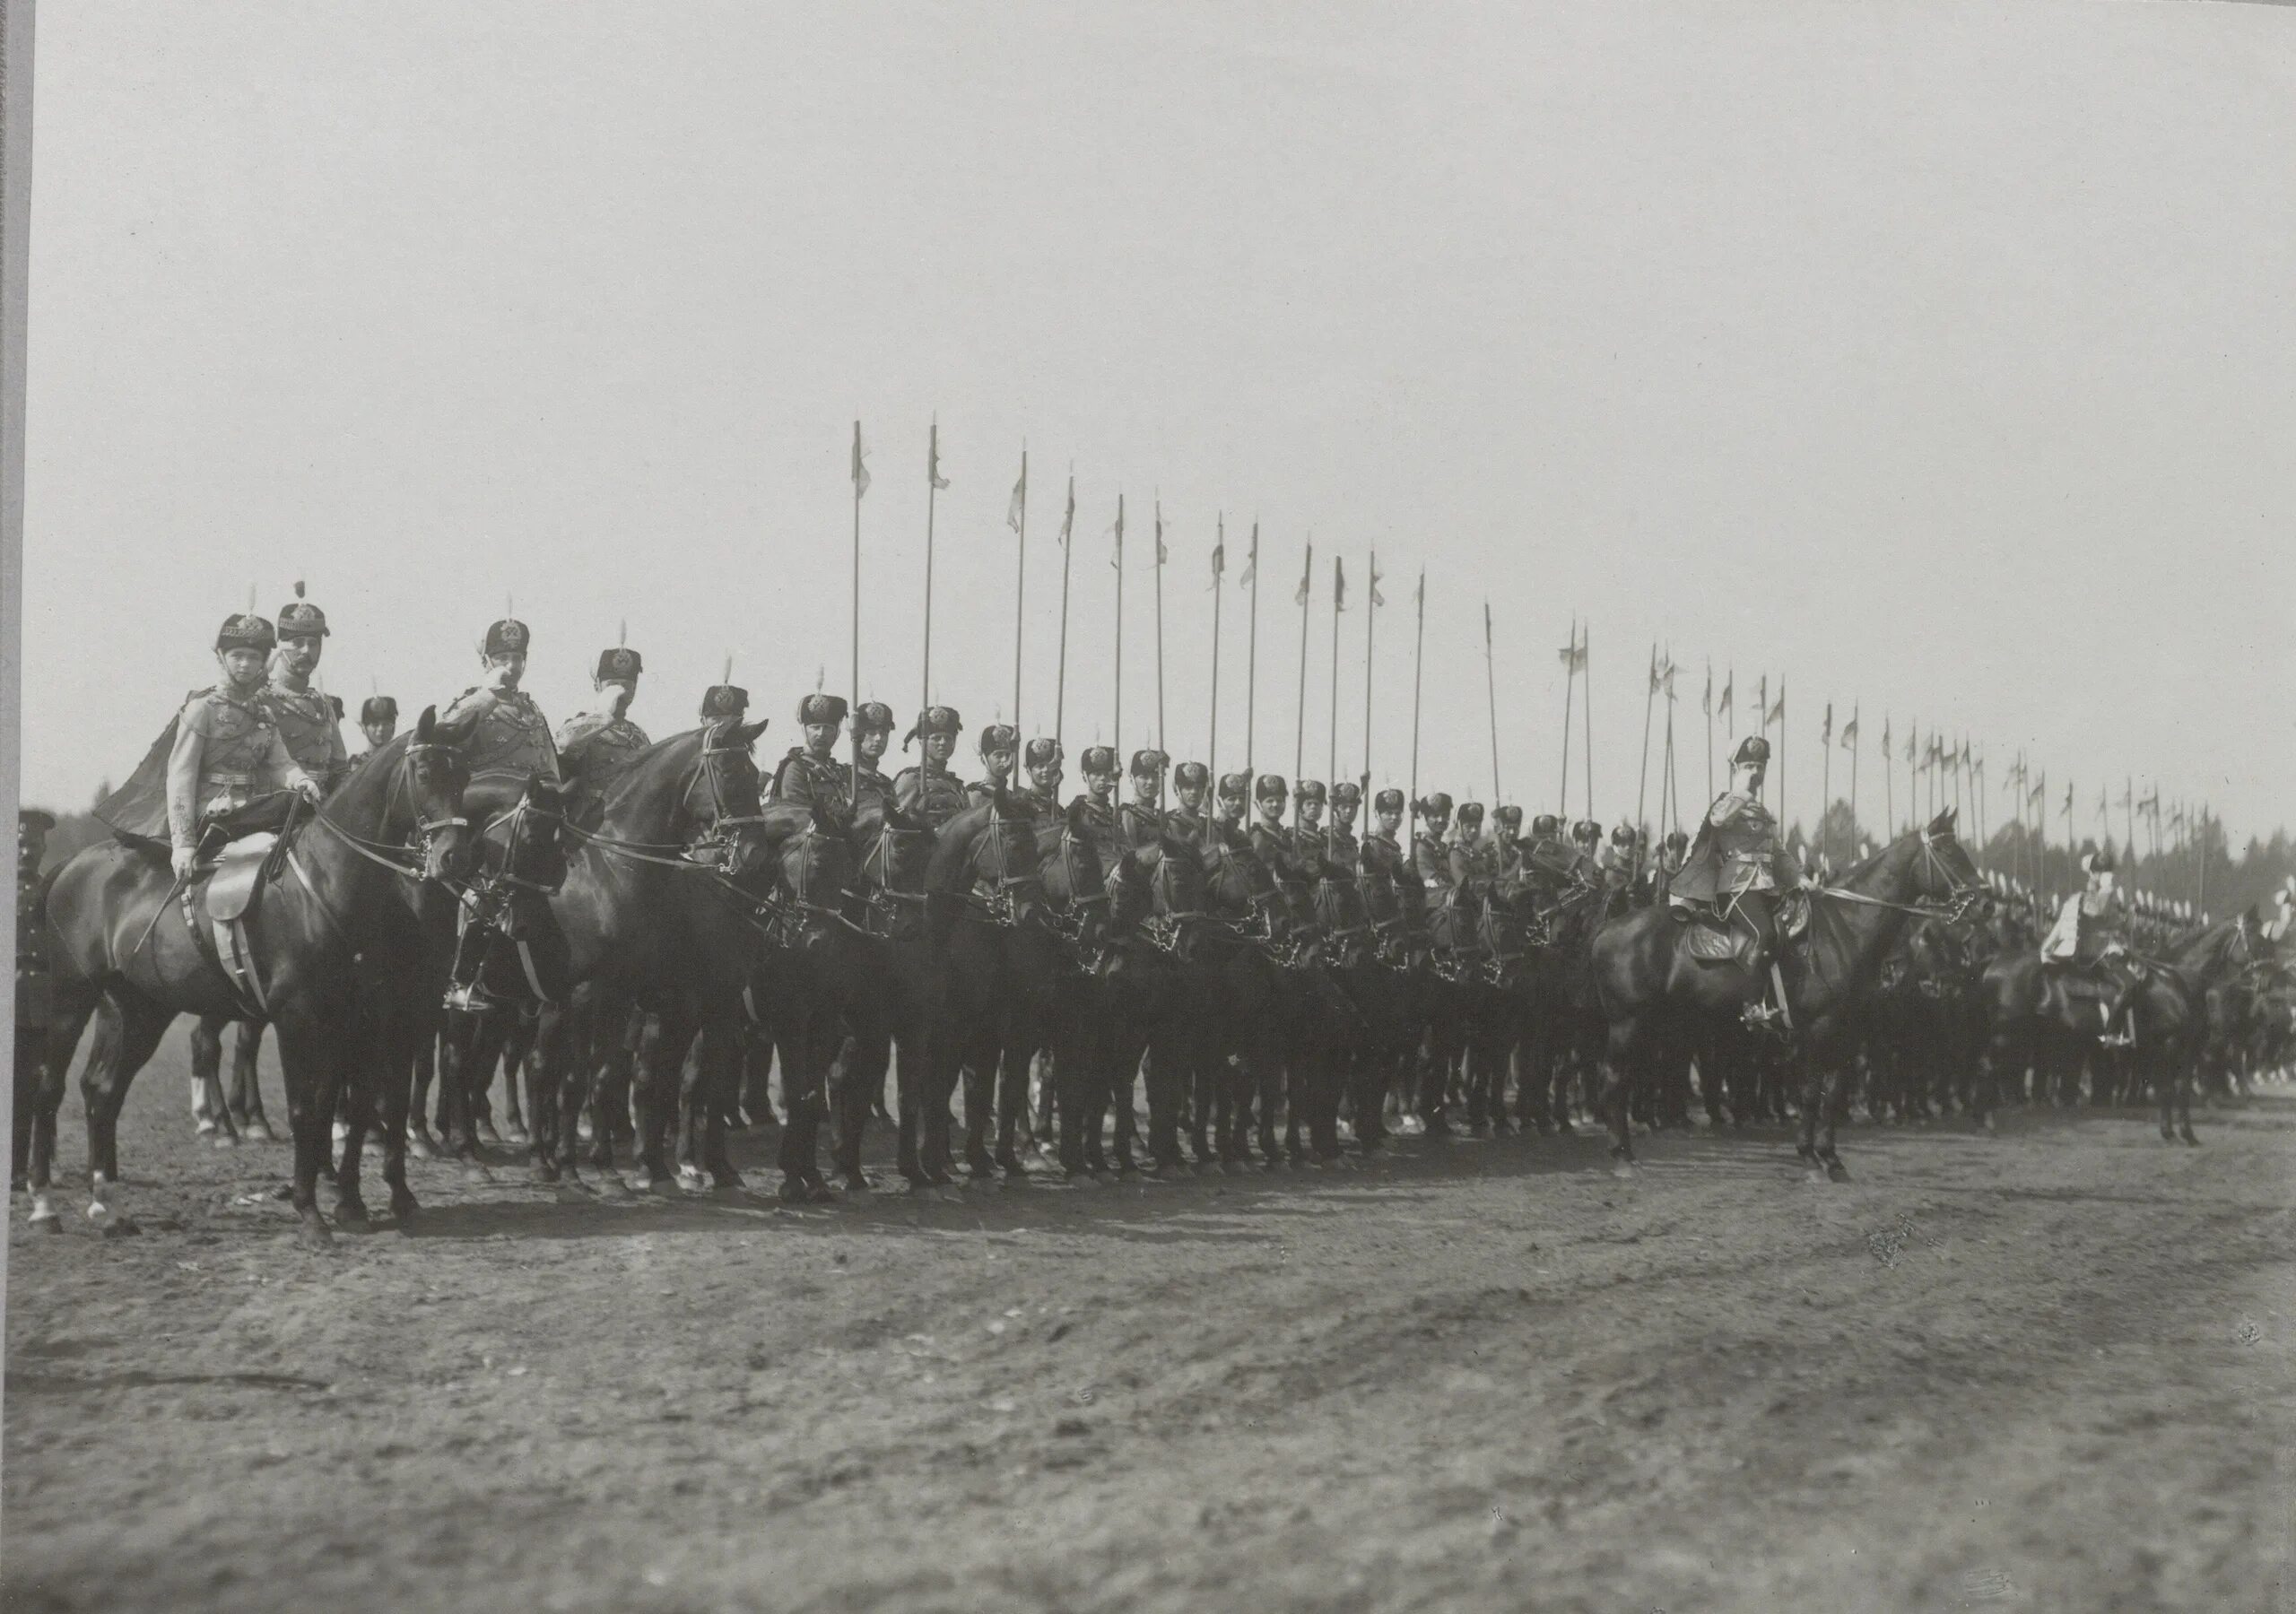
x=658, y=943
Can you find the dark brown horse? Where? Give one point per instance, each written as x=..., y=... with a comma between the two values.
x=333, y=950
x=1662, y=1002
x=657, y=911
x=894, y=1018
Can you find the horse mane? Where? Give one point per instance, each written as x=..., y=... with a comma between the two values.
x=952, y=849
x=641, y=776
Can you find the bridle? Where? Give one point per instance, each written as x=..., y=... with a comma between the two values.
x=998, y=906
x=886, y=904
x=712, y=850
x=410, y=859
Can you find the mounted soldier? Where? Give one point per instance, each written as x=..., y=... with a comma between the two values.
x=1382, y=851
x=1308, y=833
x=1339, y=841
x=872, y=732
x=1270, y=839
x=596, y=748
x=1042, y=758
x=1187, y=820
x=1431, y=857
x=1507, y=838
x=377, y=723
x=1140, y=821
x=1738, y=865
x=1475, y=859
x=309, y=722
x=1098, y=798
x=1586, y=852
x=1548, y=861
x=513, y=743
x=1000, y=755
x=1618, y=861
x=810, y=775
x=1234, y=798
x=220, y=768
x=927, y=790
x=2088, y=942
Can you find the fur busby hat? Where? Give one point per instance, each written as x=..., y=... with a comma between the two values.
x=1191, y=776
x=1470, y=812
x=721, y=701
x=1148, y=762
x=1389, y=800
x=1347, y=793
x=1586, y=831
x=1309, y=792
x=1677, y=841
x=872, y=717
x=817, y=708
x=300, y=618
x=1435, y=804
x=1235, y=786
x=1270, y=787
x=1099, y=760
x=999, y=736
x=1546, y=825
x=935, y=720
x=507, y=636
x=620, y=662
x=379, y=708
x=245, y=630
x=1753, y=748
x=1043, y=752
x=32, y=820
x=1509, y=814
x=1621, y=835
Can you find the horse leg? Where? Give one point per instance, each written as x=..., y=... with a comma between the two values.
x=128, y=1027
x=518, y=1040
x=721, y=1053
x=424, y=1061
x=1621, y=1064
x=979, y=1066
x=655, y=1085
x=247, y=1083
x=211, y=1112
x=310, y=1071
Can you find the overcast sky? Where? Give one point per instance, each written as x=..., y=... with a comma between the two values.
x=1941, y=359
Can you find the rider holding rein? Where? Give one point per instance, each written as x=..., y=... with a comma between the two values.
x=513, y=736
x=1739, y=864
x=228, y=749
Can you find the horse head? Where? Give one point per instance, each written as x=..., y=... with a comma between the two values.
x=534, y=848
x=431, y=779
x=1945, y=872
x=987, y=847
x=893, y=846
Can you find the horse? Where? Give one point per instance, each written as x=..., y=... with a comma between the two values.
x=1238, y=1054
x=523, y=854
x=984, y=886
x=902, y=961
x=1089, y=905
x=655, y=911
x=331, y=947
x=1393, y=997
x=1143, y=1011
x=1658, y=998
x=2169, y=1014
x=807, y=972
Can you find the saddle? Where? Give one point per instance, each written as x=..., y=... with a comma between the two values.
x=224, y=894
x=1713, y=937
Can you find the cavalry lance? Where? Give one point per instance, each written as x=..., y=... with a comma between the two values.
x=860, y=486
x=1569, y=689
x=1490, y=690
x=1060, y=675
x=1418, y=665
x=1218, y=565
x=933, y=485
x=1017, y=518
x=1300, y=716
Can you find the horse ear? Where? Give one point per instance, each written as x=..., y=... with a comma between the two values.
x=426, y=725
x=1075, y=816
x=747, y=732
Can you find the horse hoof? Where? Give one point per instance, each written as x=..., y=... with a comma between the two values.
x=1836, y=1172
x=573, y=1190
x=403, y=1211
x=515, y=1133
x=259, y=1132
x=486, y=1133
x=691, y=1180
x=794, y=1191
x=2186, y=1134
x=1626, y=1171
x=202, y=1126
x=586, y=1132
x=225, y=1140
x=353, y=1219
x=419, y=1145
x=314, y=1234
x=543, y=1171
x=1813, y=1175
x=342, y=1131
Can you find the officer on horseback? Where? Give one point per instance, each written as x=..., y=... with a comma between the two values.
x=926, y=789
x=1737, y=866
x=597, y=748
x=221, y=757
x=309, y=722
x=810, y=775
x=513, y=736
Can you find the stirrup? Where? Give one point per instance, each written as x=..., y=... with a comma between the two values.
x=1763, y=1017
x=468, y=998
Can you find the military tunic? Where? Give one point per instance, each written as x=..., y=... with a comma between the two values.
x=596, y=749
x=807, y=780
x=875, y=787
x=227, y=751
x=1182, y=824
x=313, y=733
x=1342, y=852
x=929, y=791
x=1737, y=849
x=513, y=735
x=1431, y=859
x=1138, y=824
x=1275, y=845
x=35, y=974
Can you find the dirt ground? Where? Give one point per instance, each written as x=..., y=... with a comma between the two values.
x=2052, y=1369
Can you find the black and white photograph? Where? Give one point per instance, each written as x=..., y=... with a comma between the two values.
x=1178, y=807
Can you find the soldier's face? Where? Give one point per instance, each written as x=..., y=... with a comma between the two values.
x=378, y=733
x=820, y=738
x=300, y=654
x=244, y=668
x=1192, y=797
x=999, y=764
x=1390, y=820
x=31, y=846
x=1102, y=786
x=873, y=742
x=1270, y=808
x=1343, y=814
x=504, y=671
x=1232, y=808
x=1311, y=813
x=1143, y=786
x=940, y=748
x=1045, y=780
